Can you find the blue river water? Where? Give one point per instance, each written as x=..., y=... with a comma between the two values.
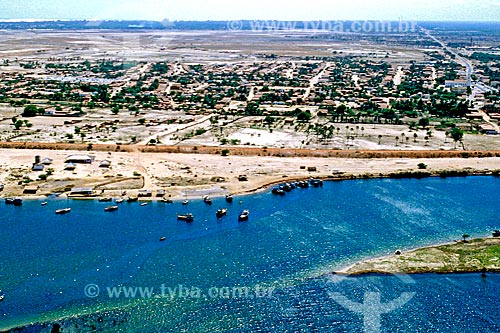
x=67, y=269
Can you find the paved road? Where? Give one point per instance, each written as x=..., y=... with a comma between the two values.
x=467, y=63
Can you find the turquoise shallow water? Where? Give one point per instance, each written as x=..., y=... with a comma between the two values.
x=289, y=243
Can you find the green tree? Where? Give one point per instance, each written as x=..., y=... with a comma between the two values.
x=424, y=122
x=18, y=124
x=30, y=111
x=304, y=116
x=457, y=135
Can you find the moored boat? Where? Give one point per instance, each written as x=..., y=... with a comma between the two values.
x=162, y=239
x=496, y=233
x=244, y=215
x=105, y=199
x=185, y=217
x=185, y=202
x=229, y=198
x=166, y=200
x=278, y=191
x=44, y=203
x=119, y=200
x=2, y=297
x=221, y=212
x=302, y=184
x=18, y=202
x=207, y=200
x=316, y=182
x=63, y=211
x=111, y=208
x=9, y=201
x=134, y=199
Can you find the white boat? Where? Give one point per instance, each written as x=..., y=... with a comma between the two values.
x=63, y=211
x=244, y=215
x=111, y=208
x=186, y=217
x=144, y=204
x=221, y=212
x=119, y=200
x=44, y=203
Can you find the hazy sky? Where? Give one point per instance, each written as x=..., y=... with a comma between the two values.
x=449, y=10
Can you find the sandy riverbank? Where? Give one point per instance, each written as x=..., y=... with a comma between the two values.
x=477, y=255
x=181, y=174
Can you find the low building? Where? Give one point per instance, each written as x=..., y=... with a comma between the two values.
x=488, y=129
x=105, y=164
x=38, y=167
x=80, y=158
x=145, y=193
x=70, y=166
x=47, y=161
x=82, y=191
x=30, y=189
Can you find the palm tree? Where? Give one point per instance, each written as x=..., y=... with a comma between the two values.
x=465, y=236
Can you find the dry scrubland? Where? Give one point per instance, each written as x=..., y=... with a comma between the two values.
x=478, y=255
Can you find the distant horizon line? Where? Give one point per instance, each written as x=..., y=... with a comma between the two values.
x=35, y=20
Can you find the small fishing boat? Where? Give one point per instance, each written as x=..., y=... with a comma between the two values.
x=9, y=201
x=221, y=212
x=144, y=204
x=134, y=199
x=186, y=217
x=119, y=200
x=63, y=211
x=278, y=191
x=111, y=208
x=287, y=187
x=105, y=199
x=166, y=200
x=496, y=233
x=18, y=202
x=229, y=198
x=185, y=202
x=207, y=200
x=2, y=297
x=44, y=203
x=244, y=215
x=163, y=239
x=316, y=182
x=303, y=184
